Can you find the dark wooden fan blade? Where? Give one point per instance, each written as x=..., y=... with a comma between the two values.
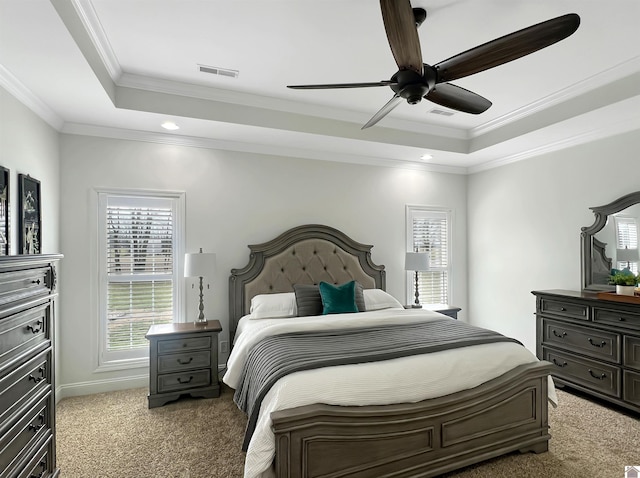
x=342, y=85
x=384, y=111
x=400, y=25
x=456, y=98
x=507, y=48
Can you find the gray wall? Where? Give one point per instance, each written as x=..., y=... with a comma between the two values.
x=232, y=200
x=524, y=226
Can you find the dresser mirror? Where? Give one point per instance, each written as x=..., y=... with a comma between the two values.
x=598, y=246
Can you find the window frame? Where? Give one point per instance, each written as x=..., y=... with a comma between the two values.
x=118, y=360
x=411, y=211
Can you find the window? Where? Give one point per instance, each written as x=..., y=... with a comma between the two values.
x=140, y=243
x=428, y=230
x=626, y=243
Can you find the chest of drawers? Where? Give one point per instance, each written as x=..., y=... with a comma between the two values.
x=27, y=386
x=183, y=360
x=593, y=343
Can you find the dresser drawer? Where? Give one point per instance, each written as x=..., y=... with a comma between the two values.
x=564, y=308
x=188, y=361
x=592, y=342
x=632, y=387
x=182, y=381
x=41, y=464
x=631, y=354
x=23, y=383
x=25, y=284
x=588, y=373
x=618, y=318
x=184, y=344
x=23, y=436
x=24, y=331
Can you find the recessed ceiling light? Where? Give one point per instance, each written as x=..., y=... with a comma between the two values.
x=426, y=157
x=170, y=125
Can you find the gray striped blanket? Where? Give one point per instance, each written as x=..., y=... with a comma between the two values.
x=275, y=357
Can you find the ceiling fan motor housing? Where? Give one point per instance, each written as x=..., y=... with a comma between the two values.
x=412, y=86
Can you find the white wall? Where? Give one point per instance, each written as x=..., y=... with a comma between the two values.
x=524, y=227
x=28, y=145
x=234, y=199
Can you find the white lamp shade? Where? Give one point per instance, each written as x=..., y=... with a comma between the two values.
x=627, y=255
x=199, y=264
x=416, y=261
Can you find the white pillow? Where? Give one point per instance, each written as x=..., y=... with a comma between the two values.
x=375, y=299
x=273, y=306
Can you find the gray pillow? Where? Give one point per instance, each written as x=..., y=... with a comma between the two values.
x=309, y=301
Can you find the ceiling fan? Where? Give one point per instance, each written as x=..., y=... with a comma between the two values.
x=416, y=80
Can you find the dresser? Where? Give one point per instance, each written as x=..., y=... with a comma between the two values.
x=27, y=386
x=594, y=344
x=183, y=360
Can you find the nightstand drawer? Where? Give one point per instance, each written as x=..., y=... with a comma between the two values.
x=182, y=381
x=618, y=318
x=188, y=361
x=184, y=344
x=632, y=387
x=564, y=309
x=588, y=373
x=592, y=342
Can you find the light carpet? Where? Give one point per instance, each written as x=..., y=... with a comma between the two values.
x=115, y=435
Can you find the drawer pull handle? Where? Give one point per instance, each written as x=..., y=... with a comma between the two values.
x=599, y=377
x=563, y=364
x=40, y=378
x=35, y=428
x=181, y=362
x=36, y=329
x=43, y=466
x=185, y=381
x=36, y=282
x=601, y=344
x=563, y=309
x=622, y=319
x=562, y=335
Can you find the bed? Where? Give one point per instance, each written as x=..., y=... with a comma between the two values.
x=408, y=416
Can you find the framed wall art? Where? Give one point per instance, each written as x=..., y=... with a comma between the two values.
x=4, y=211
x=29, y=215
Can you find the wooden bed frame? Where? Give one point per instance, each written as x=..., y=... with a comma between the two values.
x=421, y=439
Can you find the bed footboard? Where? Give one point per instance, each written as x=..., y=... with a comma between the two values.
x=420, y=439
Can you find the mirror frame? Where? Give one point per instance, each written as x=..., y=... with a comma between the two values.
x=588, y=243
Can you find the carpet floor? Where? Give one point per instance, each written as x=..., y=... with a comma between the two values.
x=115, y=435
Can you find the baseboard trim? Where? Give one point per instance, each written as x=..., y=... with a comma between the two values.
x=100, y=386
x=109, y=385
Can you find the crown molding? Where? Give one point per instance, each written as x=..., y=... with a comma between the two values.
x=607, y=130
x=598, y=80
x=254, y=148
x=24, y=95
x=89, y=18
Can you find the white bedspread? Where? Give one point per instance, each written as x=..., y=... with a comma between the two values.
x=402, y=380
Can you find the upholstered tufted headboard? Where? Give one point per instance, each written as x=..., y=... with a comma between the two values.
x=302, y=255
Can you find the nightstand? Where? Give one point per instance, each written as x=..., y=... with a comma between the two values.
x=183, y=360
x=446, y=309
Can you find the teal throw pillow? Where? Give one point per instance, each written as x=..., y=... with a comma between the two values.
x=338, y=299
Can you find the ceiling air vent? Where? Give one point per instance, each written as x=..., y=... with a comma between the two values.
x=214, y=70
x=441, y=112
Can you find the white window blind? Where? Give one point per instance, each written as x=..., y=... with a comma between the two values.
x=139, y=251
x=627, y=238
x=428, y=231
